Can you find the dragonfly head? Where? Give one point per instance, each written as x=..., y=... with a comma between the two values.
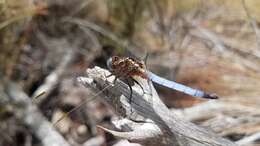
x=114, y=62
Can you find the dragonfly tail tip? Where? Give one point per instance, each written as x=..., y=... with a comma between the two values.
x=211, y=96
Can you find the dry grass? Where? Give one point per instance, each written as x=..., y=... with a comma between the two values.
x=15, y=16
x=154, y=26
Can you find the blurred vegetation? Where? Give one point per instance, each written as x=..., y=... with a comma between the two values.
x=125, y=18
x=14, y=18
x=152, y=26
x=34, y=38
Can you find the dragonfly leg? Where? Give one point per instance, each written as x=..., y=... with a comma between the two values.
x=131, y=94
x=115, y=80
x=109, y=75
x=112, y=74
x=139, y=85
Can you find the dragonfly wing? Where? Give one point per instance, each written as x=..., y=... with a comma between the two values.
x=179, y=87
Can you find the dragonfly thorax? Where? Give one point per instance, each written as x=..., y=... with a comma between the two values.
x=126, y=67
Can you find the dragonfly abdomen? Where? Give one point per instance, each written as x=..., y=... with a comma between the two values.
x=179, y=87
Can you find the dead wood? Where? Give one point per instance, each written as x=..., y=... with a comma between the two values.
x=159, y=125
x=28, y=113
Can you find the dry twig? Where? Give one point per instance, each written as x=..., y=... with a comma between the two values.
x=31, y=116
x=52, y=80
x=249, y=140
x=163, y=128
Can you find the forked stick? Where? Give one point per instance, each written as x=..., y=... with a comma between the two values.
x=164, y=128
x=32, y=117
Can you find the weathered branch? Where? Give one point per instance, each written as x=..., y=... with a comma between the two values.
x=212, y=108
x=53, y=78
x=95, y=141
x=31, y=116
x=223, y=118
x=249, y=140
x=165, y=126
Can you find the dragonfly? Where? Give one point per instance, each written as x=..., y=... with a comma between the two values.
x=128, y=67
x=125, y=68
